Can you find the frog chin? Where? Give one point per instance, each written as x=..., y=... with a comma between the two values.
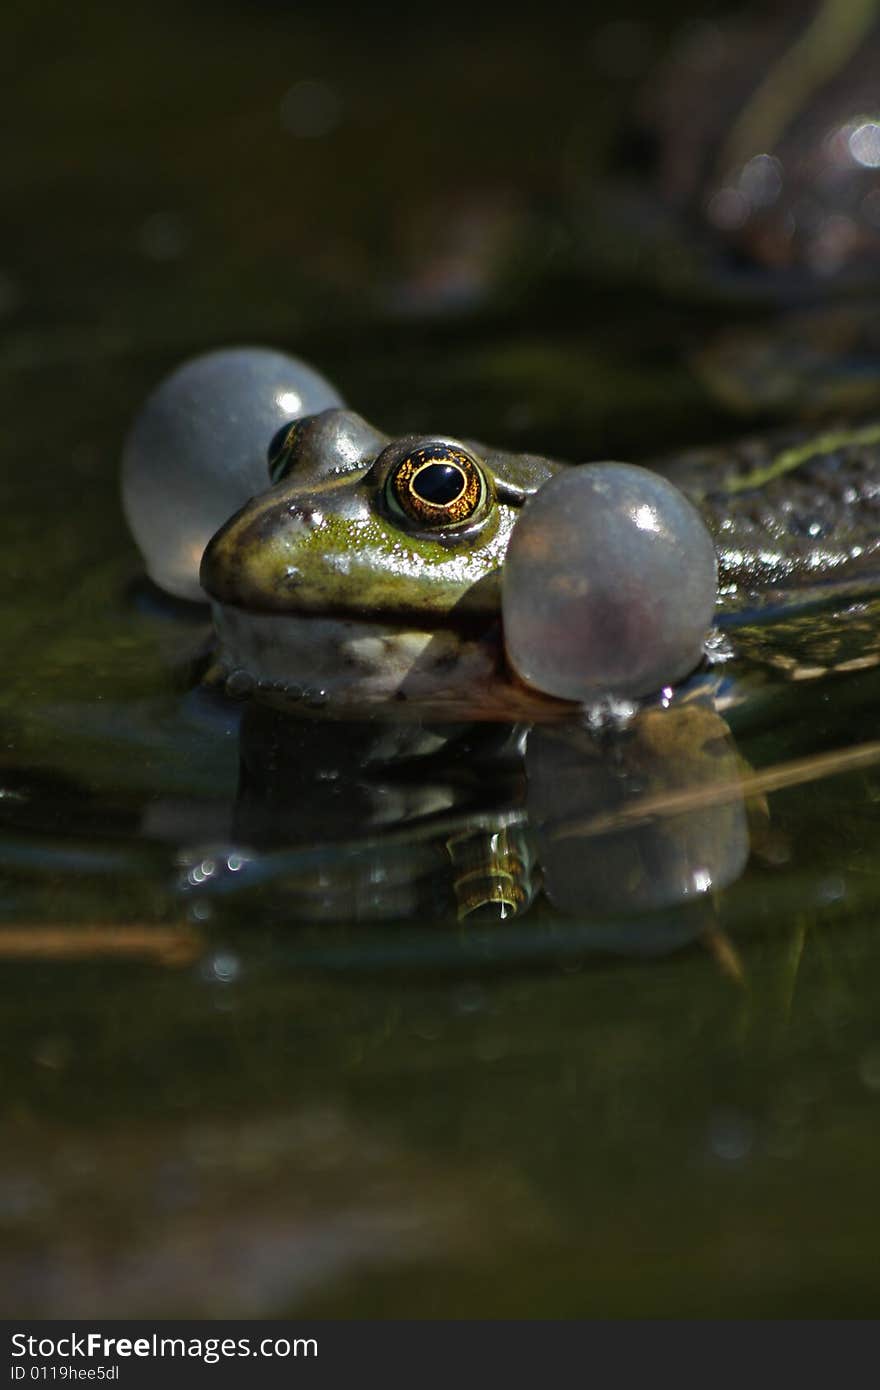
x=349, y=661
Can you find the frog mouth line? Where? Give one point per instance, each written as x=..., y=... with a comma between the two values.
x=348, y=660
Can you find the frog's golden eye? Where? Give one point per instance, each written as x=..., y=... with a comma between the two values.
x=436, y=485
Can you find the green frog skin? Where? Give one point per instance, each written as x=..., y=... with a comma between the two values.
x=791, y=516
x=326, y=590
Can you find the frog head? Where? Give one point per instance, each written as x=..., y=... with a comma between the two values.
x=370, y=568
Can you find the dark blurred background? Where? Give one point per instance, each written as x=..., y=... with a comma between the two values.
x=415, y=197
x=230, y=167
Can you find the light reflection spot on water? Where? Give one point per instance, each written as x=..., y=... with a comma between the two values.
x=205, y=869
x=864, y=144
x=832, y=889
x=222, y=966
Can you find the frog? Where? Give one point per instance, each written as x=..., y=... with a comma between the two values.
x=331, y=597
x=332, y=601
x=368, y=573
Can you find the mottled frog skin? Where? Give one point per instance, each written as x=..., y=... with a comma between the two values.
x=324, y=592
x=324, y=540
x=790, y=514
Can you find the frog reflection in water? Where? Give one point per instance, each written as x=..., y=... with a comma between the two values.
x=475, y=819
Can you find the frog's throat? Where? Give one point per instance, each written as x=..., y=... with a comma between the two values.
x=354, y=661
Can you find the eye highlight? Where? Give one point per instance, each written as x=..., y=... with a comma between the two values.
x=436, y=485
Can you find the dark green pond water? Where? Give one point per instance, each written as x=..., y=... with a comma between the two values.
x=312, y=1089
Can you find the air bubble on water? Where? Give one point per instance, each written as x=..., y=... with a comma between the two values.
x=239, y=683
x=199, y=873
x=223, y=967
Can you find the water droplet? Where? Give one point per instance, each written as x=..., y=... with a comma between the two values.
x=239, y=683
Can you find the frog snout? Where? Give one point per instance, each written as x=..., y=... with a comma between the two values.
x=252, y=560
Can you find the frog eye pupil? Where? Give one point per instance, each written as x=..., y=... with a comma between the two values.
x=439, y=483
